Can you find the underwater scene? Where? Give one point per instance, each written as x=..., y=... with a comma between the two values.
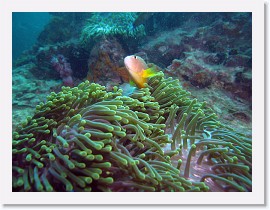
x=132, y=102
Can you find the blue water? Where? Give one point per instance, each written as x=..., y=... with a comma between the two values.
x=26, y=27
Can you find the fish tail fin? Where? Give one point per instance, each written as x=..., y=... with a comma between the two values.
x=150, y=72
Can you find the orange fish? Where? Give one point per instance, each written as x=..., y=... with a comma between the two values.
x=138, y=70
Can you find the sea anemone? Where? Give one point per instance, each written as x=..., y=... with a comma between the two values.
x=157, y=139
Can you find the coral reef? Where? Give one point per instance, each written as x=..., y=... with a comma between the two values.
x=158, y=139
x=215, y=54
x=62, y=27
x=60, y=64
x=105, y=63
x=211, y=60
x=111, y=24
x=27, y=92
x=76, y=56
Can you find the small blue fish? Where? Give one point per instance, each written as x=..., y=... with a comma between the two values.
x=127, y=88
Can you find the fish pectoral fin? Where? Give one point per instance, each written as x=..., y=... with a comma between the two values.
x=132, y=83
x=150, y=72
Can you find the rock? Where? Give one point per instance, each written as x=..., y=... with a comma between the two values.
x=201, y=79
x=233, y=52
x=106, y=62
x=215, y=58
x=238, y=60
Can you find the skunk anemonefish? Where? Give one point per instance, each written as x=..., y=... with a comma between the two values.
x=138, y=70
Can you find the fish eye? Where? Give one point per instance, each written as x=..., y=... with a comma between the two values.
x=135, y=56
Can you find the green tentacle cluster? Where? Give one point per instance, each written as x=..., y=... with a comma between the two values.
x=205, y=141
x=88, y=139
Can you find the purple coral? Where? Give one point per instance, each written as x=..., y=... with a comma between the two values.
x=60, y=64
